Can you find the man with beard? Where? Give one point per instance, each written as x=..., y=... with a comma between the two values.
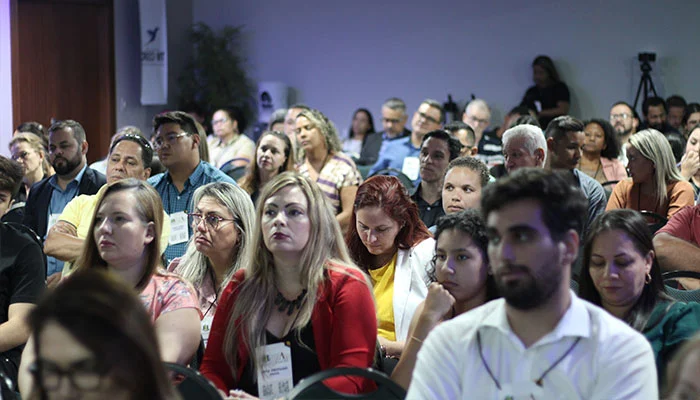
x=130, y=156
x=402, y=154
x=540, y=340
x=436, y=152
x=48, y=197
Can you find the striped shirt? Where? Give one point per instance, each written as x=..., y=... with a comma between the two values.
x=340, y=171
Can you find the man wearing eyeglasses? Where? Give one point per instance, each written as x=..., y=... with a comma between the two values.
x=394, y=123
x=402, y=154
x=477, y=114
x=176, y=140
x=130, y=156
x=625, y=122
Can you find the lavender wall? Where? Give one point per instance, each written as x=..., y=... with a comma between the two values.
x=338, y=56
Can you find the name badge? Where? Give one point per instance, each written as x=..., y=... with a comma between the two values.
x=411, y=167
x=524, y=390
x=178, y=228
x=206, y=328
x=53, y=218
x=275, y=375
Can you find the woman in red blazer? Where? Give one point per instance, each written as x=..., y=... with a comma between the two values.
x=300, y=304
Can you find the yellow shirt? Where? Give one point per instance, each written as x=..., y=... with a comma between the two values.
x=79, y=211
x=383, y=283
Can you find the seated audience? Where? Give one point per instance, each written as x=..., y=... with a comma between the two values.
x=388, y=240
x=477, y=114
x=273, y=155
x=130, y=156
x=177, y=138
x=678, y=242
x=28, y=150
x=402, y=154
x=22, y=276
x=600, y=152
x=540, y=341
x=621, y=274
x=324, y=163
x=229, y=144
x=300, y=288
x=123, y=240
x=276, y=122
x=550, y=95
x=394, y=123
x=564, y=142
x=466, y=136
x=464, y=181
x=361, y=128
x=676, y=109
x=683, y=372
x=94, y=331
x=654, y=184
x=437, y=150
x=690, y=163
x=461, y=279
x=222, y=221
x=691, y=118
x=524, y=146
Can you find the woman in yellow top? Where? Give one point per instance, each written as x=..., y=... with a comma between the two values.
x=387, y=238
x=655, y=184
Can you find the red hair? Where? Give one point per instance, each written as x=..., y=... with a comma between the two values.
x=389, y=194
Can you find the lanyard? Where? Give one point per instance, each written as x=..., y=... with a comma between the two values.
x=538, y=381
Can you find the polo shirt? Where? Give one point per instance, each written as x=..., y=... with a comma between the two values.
x=429, y=213
x=59, y=200
x=174, y=201
x=685, y=224
x=393, y=155
x=610, y=361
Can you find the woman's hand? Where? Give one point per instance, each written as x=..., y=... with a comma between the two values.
x=690, y=164
x=438, y=303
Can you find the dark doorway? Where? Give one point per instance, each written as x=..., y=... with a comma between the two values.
x=63, y=65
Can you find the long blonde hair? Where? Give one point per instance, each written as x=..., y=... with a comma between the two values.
x=149, y=206
x=194, y=265
x=655, y=147
x=256, y=293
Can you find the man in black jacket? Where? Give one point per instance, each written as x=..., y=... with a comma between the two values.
x=48, y=197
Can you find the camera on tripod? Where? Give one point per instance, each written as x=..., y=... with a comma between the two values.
x=647, y=57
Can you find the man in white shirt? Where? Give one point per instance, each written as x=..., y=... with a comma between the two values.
x=540, y=341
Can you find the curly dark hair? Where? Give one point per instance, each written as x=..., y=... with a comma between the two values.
x=612, y=142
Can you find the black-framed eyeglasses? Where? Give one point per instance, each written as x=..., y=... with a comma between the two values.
x=21, y=155
x=211, y=221
x=170, y=139
x=428, y=117
x=80, y=378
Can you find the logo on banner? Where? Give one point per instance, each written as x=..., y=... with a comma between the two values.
x=152, y=54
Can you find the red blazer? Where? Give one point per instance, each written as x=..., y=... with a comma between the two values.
x=345, y=331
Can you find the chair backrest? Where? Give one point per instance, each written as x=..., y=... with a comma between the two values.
x=193, y=385
x=680, y=294
x=312, y=387
x=657, y=221
x=32, y=235
x=405, y=180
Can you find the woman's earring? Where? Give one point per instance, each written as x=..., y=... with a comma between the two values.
x=647, y=279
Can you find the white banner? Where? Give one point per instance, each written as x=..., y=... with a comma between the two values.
x=154, y=52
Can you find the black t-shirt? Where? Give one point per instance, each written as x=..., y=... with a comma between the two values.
x=548, y=98
x=22, y=275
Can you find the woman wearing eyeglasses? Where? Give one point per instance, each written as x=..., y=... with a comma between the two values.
x=27, y=149
x=222, y=225
x=95, y=341
x=229, y=143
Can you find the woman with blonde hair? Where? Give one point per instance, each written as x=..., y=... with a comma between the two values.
x=28, y=150
x=222, y=225
x=324, y=163
x=273, y=155
x=655, y=184
x=300, y=288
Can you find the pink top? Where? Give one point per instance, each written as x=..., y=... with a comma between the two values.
x=206, y=291
x=167, y=292
x=613, y=169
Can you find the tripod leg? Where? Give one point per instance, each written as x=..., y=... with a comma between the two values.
x=639, y=90
x=651, y=85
